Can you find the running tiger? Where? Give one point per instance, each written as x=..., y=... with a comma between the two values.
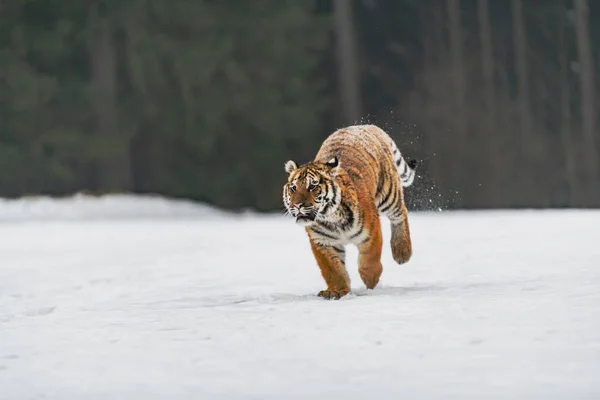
x=357, y=174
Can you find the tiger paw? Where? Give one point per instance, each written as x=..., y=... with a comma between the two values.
x=333, y=294
x=401, y=254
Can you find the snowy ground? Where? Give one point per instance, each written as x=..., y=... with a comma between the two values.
x=494, y=305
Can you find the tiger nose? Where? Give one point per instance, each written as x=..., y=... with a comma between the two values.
x=298, y=205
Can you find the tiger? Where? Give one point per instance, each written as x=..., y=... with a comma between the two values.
x=357, y=175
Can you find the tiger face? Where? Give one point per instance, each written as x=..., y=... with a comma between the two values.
x=311, y=191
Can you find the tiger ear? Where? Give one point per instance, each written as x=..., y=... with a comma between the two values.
x=290, y=166
x=333, y=164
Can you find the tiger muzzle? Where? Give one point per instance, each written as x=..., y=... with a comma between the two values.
x=304, y=214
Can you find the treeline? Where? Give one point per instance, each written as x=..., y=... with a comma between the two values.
x=196, y=99
x=206, y=99
x=502, y=96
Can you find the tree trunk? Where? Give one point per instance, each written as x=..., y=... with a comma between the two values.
x=487, y=64
x=114, y=168
x=526, y=144
x=462, y=149
x=565, y=101
x=435, y=53
x=347, y=60
x=487, y=59
x=520, y=40
x=588, y=90
x=458, y=71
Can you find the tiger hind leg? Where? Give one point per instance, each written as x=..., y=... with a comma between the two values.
x=400, y=242
x=369, y=257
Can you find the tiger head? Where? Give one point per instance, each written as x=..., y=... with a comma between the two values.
x=311, y=191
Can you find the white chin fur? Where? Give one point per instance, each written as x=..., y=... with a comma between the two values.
x=304, y=222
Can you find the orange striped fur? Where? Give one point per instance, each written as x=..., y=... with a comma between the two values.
x=357, y=174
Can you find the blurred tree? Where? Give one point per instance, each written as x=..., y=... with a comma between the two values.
x=459, y=128
x=113, y=166
x=195, y=99
x=521, y=50
x=458, y=70
x=42, y=106
x=347, y=61
x=487, y=58
x=224, y=94
x=588, y=92
x=567, y=142
x=206, y=99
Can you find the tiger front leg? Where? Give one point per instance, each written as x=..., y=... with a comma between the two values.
x=331, y=261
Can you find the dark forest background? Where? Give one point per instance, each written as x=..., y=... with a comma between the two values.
x=207, y=99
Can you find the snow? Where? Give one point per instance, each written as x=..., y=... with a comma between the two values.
x=118, y=206
x=97, y=304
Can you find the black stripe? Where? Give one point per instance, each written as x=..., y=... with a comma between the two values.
x=359, y=231
x=317, y=231
x=370, y=154
x=327, y=225
x=392, y=202
x=326, y=208
x=349, y=216
x=395, y=213
x=360, y=227
x=335, y=191
x=404, y=169
x=386, y=197
x=365, y=163
x=398, y=163
x=330, y=190
x=339, y=249
x=341, y=253
x=384, y=209
x=379, y=186
x=328, y=202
